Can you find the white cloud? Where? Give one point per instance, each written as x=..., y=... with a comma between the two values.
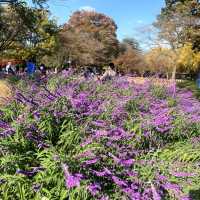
x=87, y=8
x=140, y=21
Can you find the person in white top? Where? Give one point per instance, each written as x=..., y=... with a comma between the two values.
x=8, y=67
x=109, y=73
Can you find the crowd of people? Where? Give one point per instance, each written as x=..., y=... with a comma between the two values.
x=97, y=74
x=91, y=72
x=28, y=67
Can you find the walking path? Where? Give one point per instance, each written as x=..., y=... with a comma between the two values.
x=5, y=92
x=157, y=81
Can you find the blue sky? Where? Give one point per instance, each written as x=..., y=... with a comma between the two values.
x=128, y=14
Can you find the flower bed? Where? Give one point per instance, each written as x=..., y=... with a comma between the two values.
x=74, y=139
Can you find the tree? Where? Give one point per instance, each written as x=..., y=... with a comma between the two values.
x=128, y=43
x=59, y=56
x=26, y=32
x=129, y=59
x=161, y=60
x=90, y=38
x=189, y=59
x=16, y=19
x=164, y=59
x=16, y=2
x=130, y=62
x=178, y=24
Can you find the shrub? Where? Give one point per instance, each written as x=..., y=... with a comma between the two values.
x=70, y=139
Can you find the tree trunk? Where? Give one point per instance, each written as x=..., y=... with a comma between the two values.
x=174, y=73
x=174, y=68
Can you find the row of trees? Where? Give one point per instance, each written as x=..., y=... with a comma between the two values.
x=89, y=38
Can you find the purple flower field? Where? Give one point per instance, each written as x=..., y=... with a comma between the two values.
x=67, y=138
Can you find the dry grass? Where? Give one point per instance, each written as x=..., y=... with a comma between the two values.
x=157, y=81
x=5, y=92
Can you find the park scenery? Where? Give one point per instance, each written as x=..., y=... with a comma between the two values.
x=89, y=114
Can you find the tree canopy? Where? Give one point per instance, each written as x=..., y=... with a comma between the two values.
x=90, y=38
x=26, y=31
x=178, y=24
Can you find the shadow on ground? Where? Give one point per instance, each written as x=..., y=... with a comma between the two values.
x=194, y=194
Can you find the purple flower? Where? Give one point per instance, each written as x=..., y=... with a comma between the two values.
x=36, y=187
x=100, y=134
x=127, y=163
x=91, y=162
x=94, y=189
x=185, y=198
x=104, y=198
x=30, y=173
x=119, y=182
x=118, y=134
x=132, y=174
x=100, y=174
x=156, y=195
x=161, y=178
x=183, y=174
x=133, y=195
x=86, y=154
x=4, y=125
x=99, y=123
x=86, y=142
x=71, y=180
x=7, y=133
x=105, y=172
x=171, y=186
x=42, y=145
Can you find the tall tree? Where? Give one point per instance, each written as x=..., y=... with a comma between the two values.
x=161, y=60
x=90, y=38
x=188, y=59
x=178, y=24
x=17, y=18
x=129, y=43
x=26, y=31
x=130, y=58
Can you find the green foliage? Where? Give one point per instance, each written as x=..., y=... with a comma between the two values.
x=192, y=86
x=175, y=150
x=172, y=102
x=11, y=111
x=26, y=32
x=158, y=91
